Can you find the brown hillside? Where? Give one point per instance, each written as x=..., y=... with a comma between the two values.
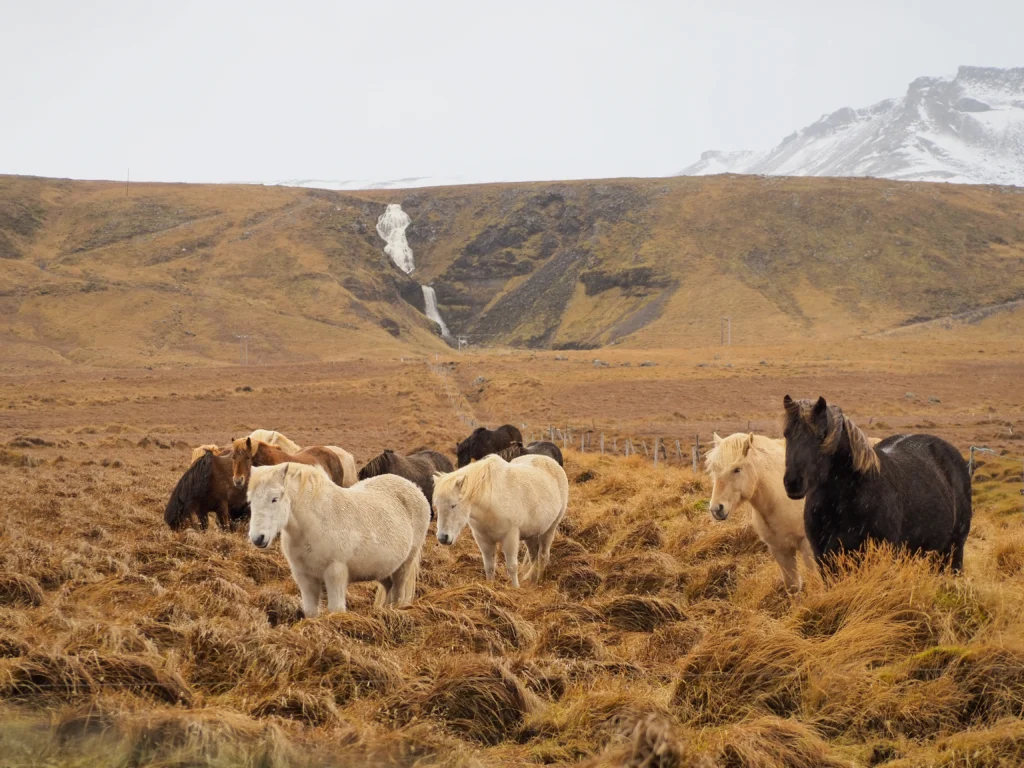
x=172, y=273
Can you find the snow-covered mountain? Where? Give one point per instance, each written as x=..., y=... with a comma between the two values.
x=967, y=129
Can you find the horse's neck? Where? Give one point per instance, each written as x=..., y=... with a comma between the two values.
x=769, y=493
x=268, y=454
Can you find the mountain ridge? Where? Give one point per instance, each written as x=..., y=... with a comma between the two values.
x=968, y=128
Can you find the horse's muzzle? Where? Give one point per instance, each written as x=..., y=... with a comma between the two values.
x=718, y=512
x=796, y=490
x=444, y=538
x=260, y=541
x=238, y=481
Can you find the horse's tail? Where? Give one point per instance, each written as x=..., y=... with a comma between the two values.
x=192, y=484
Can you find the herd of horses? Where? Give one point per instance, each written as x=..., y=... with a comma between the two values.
x=825, y=488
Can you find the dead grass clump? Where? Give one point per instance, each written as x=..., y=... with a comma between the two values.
x=219, y=656
x=41, y=676
x=314, y=709
x=327, y=628
x=12, y=646
x=640, y=614
x=19, y=590
x=734, y=672
x=1009, y=555
x=594, y=536
x=263, y=568
x=479, y=699
x=654, y=742
x=98, y=636
x=606, y=714
x=579, y=581
x=712, y=581
x=671, y=642
x=647, y=535
x=138, y=675
x=280, y=609
x=772, y=742
x=350, y=674
x=1001, y=746
x=722, y=540
x=569, y=641
x=541, y=677
x=645, y=573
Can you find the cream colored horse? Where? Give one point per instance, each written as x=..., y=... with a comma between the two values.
x=748, y=468
x=504, y=502
x=334, y=536
x=275, y=439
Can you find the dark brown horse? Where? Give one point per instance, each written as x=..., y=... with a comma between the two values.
x=536, y=448
x=206, y=487
x=483, y=442
x=912, y=491
x=246, y=454
x=418, y=467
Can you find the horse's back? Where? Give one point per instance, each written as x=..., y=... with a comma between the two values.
x=324, y=457
x=393, y=499
x=546, y=448
x=276, y=439
x=436, y=460
x=929, y=480
x=350, y=475
x=542, y=475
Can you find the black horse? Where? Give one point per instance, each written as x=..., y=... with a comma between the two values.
x=536, y=448
x=206, y=487
x=912, y=491
x=418, y=467
x=484, y=442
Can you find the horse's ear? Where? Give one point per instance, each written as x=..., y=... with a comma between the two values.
x=460, y=482
x=819, y=415
x=717, y=437
x=284, y=474
x=748, y=444
x=790, y=405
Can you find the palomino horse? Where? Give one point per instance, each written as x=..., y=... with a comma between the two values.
x=333, y=536
x=418, y=467
x=273, y=438
x=504, y=502
x=197, y=453
x=912, y=491
x=206, y=487
x=248, y=454
x=748, y=468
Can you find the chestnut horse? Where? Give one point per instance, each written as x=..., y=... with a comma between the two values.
x=247, y=454
x=206, y=487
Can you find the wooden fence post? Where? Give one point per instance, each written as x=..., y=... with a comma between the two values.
x=646, y=452
x=656, y=441
x=693, y=453
x=602, y=443
x=679, y=451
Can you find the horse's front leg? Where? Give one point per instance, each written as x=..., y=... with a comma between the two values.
x=223, y=516
x=790, y=573
x=336, y=579
x=489, y=550
x=203, y=515
x=510, y=546
x=310, y=588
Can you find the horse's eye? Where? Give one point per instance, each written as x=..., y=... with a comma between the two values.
x=273, y=501
x=736, y=471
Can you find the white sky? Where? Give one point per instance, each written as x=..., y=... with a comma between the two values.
x=258, y=91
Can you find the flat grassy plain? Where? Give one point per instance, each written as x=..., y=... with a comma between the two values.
x=661, y=638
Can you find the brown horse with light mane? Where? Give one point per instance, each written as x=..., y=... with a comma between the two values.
x=247, y=454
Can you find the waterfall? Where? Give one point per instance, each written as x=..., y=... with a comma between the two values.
x=430, y=301
x=391, y=227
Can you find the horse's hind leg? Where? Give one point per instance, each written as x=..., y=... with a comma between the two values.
x=204, y=517
x=544, y=555
x=956, y=557
x=510, y=547
x=533, y=547
x=403, y=580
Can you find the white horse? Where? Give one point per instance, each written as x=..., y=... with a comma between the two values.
x=749, y=468
x=504, y=502
x=275, y=439
x=333, y=536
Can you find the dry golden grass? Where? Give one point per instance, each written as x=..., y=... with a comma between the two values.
x=660, y=638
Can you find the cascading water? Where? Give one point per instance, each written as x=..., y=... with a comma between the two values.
x=391, y=227
x=430, y=302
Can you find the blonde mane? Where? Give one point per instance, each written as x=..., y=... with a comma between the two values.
x=301, y=477
x=275, y=439
x=473, y=480
x=728, y=451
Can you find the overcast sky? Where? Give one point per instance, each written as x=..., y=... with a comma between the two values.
x=258, y=91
